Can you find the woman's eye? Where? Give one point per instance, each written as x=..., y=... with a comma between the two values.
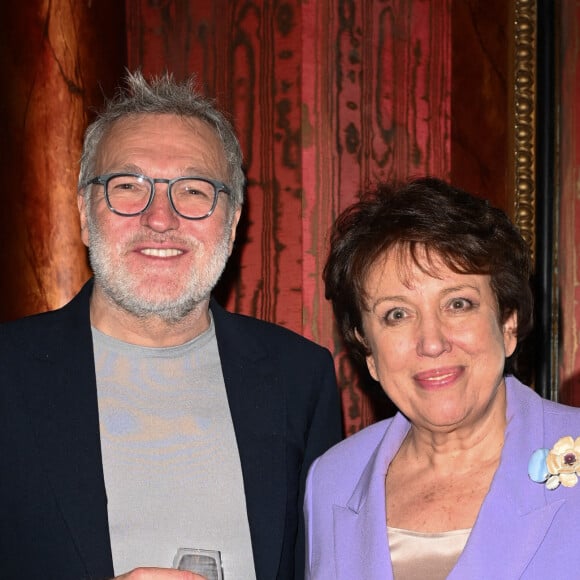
x=460, y=304
x=395, y=315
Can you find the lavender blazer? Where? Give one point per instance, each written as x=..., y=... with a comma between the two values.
x=523, y=530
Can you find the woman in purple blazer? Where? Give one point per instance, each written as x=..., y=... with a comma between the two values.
x=475, y=477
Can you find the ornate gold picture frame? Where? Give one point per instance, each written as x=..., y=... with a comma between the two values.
x=535, y=178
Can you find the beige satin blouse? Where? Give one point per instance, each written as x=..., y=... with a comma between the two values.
x=419, y=555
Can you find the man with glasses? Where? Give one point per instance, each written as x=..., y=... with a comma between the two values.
x=142, y=427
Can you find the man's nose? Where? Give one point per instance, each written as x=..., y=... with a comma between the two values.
x=160, y=216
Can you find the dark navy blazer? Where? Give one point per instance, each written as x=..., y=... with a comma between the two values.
x=283, y=398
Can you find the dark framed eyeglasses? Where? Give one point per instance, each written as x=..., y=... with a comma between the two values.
x=131, y=194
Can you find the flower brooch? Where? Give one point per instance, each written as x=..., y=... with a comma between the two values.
x=559, y=465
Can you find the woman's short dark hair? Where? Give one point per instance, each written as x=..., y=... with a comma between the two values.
x=466, y=232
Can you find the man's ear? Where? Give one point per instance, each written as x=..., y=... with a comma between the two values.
x=235, y=221
x=82, y=207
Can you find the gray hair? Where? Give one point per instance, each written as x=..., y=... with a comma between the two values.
x=163, y=95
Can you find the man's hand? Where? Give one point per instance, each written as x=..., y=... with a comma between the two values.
x=159, y=574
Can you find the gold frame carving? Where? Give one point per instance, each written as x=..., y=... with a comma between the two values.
x=524, y=77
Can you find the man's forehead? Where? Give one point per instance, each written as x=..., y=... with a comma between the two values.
x=190, y=142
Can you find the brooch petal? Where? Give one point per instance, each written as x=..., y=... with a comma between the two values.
x=559, y=465
x=537, y=468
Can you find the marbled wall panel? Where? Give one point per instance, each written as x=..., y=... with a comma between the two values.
x=52, y=56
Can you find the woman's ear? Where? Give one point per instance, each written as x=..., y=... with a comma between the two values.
x=510, y=333
x=370, y=360
x=372, y=367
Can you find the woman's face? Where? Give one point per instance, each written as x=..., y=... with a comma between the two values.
x=437, y=346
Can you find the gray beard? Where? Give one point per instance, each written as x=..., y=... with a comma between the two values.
x=119, y=288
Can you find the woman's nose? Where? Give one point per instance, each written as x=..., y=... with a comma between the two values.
x=432, y=339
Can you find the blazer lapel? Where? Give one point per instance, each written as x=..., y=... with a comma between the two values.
x=62, y=401
x=517, y=512
x=504, y=540
x=360, y=527
x=258, y=412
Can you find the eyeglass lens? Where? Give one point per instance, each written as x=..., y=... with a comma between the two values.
x=130, y=194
